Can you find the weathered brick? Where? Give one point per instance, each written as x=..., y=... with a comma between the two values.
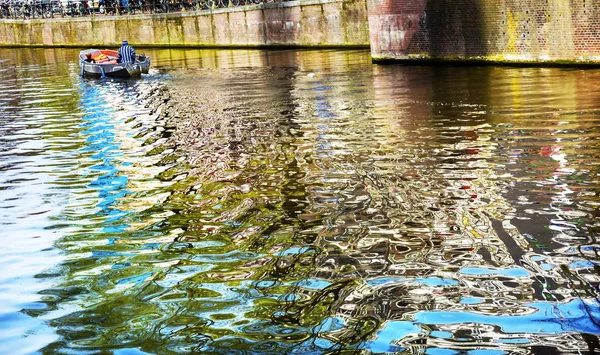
x=513, y=30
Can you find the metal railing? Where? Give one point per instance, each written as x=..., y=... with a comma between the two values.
x=31, y=9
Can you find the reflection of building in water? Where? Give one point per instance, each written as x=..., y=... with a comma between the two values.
x=417, y=210
x=10, y=98
x=380, y=209
x=555, y=193
x=348, y=210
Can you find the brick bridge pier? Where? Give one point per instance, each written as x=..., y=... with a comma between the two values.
x=511, y=31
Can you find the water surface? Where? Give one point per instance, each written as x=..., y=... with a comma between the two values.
x=301, y=202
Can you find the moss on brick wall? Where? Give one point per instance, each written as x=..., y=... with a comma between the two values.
x=497, y=30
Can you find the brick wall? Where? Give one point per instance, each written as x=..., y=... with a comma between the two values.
x=496, y=30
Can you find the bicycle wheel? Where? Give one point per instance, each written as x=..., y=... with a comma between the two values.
x=235, y=3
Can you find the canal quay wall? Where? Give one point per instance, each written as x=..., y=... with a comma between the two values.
x=306, y=23
x=532, y=32
x=499, y=31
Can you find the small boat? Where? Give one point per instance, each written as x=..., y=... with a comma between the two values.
x=105, y=64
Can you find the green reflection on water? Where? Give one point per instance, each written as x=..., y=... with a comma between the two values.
x=307, y=201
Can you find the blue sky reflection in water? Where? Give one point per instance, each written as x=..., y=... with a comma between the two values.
x=301, y=202
x=99, y=125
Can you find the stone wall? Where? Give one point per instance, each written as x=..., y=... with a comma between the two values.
x=303, y=23
x=513, y=31
x=528, y=31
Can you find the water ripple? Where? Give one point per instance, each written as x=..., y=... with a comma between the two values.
x=267, y=202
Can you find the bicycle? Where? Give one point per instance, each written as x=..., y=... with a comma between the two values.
x=20, y=9
x=4, y=9
x=84, y=8
x=56, y=8
x=46, y=8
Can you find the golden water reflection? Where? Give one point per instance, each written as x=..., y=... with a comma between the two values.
x=311, y=202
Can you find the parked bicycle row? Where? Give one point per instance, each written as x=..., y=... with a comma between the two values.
x=64, y=8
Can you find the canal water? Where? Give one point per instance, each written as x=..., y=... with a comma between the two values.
x=297, y=202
